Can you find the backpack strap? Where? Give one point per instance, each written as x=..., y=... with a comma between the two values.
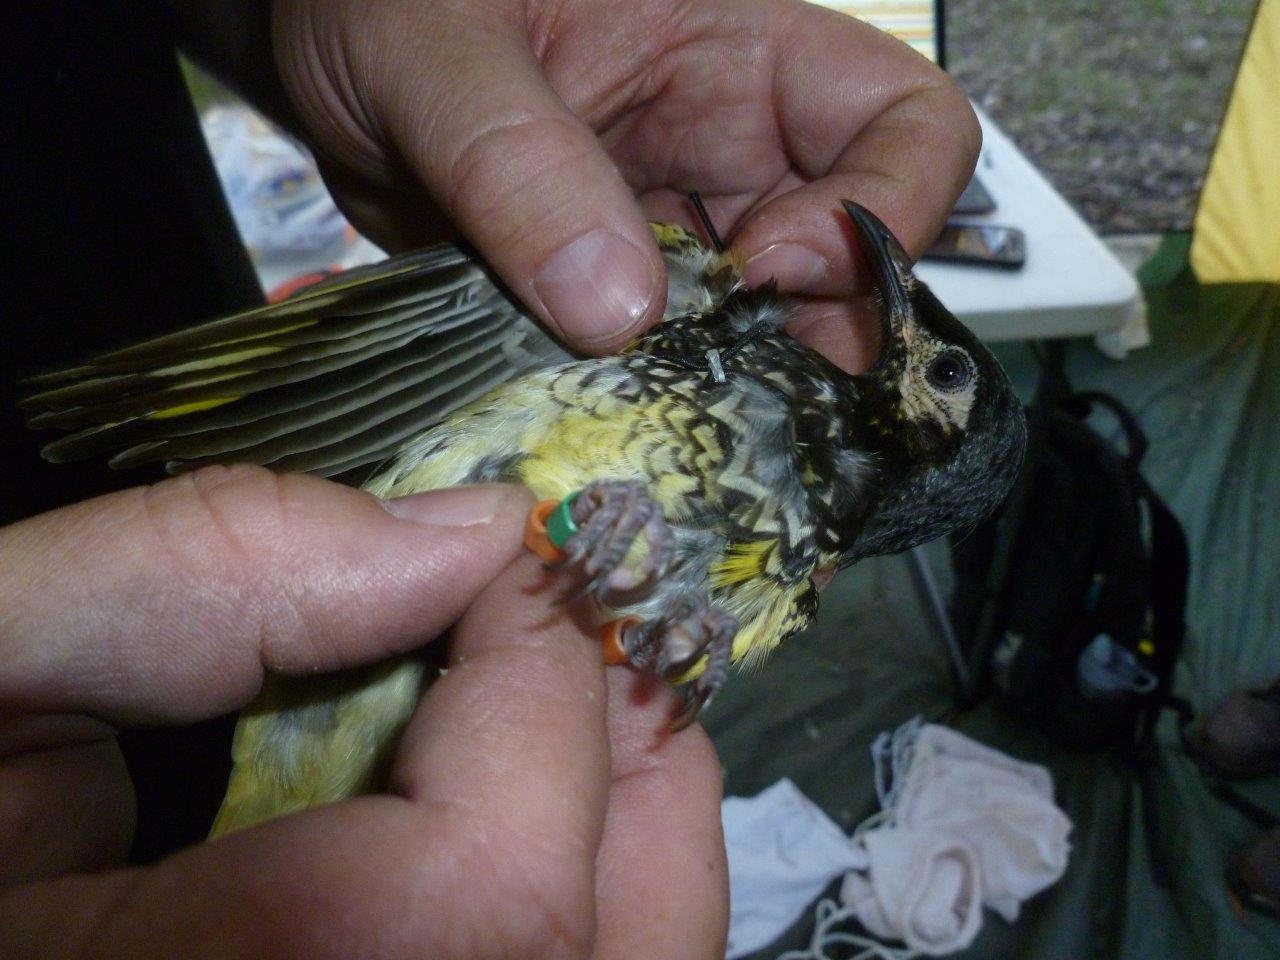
x=1170, y=573
x=1051, y=388
x=1135, y=437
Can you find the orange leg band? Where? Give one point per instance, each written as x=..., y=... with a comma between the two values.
x=535, y=533
x=611, y=640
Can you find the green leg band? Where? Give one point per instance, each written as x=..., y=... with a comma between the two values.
x=560, y=525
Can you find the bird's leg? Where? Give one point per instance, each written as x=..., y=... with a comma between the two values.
x=610, y=515
x=688, y=626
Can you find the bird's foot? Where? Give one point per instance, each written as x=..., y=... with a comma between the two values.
x=610, y=516
x=669, y=644
x=594, y=531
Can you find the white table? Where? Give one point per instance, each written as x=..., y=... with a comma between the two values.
x=1071, y=285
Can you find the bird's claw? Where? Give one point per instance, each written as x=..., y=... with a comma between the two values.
x=688, y=627
x=610, y=516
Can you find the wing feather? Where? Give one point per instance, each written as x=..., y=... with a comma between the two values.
x=335, y=378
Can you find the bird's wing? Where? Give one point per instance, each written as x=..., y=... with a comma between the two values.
x=327, y=381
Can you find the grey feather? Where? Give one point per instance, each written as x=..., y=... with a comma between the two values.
x=328, y=381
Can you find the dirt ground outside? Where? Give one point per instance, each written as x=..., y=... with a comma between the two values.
x=1117, y=101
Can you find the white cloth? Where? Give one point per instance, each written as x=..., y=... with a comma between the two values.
x=920, y=887
x=947, y=785
x=962, y=826
x=783, y=851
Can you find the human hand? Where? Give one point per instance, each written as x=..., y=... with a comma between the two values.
x=534, y=808
x=533, y=127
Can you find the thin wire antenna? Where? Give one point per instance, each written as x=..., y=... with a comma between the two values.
x=707, y=225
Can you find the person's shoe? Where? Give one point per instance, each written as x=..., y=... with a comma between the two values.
x=1254, y=873
x=1241, y=738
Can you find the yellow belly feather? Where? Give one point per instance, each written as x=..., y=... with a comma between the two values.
x=602, y=438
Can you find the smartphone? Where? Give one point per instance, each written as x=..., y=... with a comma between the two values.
x=981, y=244
x=975, y=199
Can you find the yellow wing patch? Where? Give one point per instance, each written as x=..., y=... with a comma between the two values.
x=223, y=359
x=777, y=615
x=196, y=406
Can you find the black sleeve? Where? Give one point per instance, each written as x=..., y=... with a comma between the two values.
x=114, y=227
x=114, y=222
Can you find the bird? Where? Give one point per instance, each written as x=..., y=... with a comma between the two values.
x=713, y=475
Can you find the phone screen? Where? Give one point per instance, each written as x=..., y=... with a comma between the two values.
x=980, y=244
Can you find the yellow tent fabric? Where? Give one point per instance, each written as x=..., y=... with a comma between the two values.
x=911, y=21
x=1237, y=226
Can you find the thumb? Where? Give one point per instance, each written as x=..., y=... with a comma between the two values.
x=461, y=98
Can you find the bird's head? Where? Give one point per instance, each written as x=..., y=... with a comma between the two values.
x=937, y=412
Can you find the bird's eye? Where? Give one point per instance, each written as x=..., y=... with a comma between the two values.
x=948, y=371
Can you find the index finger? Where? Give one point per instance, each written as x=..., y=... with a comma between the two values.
x=510, y=747
x=883, y=127
x=485, y=848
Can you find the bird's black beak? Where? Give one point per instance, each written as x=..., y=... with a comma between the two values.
x=890, y=265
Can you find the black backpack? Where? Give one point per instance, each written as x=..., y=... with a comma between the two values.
x=1069, y=603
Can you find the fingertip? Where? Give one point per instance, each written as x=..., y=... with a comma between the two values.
x=793, y=267
x=800, y=241
x=513, y=733
x=906, y=151
x=481, y=504
x=805, y=241
x=641, y=707
x=668, y=896
x=523, y=697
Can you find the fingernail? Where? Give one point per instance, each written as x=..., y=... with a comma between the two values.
x=596, y=287
x=453, y=506
x=795, y=267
